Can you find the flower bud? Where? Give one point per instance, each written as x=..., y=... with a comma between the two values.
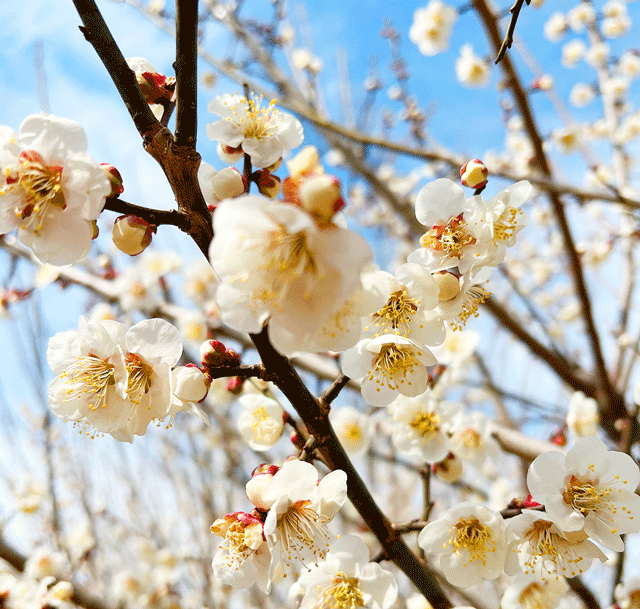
x=474, y=174
x=268, y=184
x=449, y=469
x=155, y=87
x=190, y=384
x=305, y=162
x=320, y=196
x=229, y=154
x=275, y=166
x=115, y=180
x=132, y=235
x=544, y=83
x=448, y=284
x=214, y=354
x=228, y=183
x=257, y=484
x=234, y=385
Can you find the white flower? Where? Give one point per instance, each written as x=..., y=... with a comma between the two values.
x=568, y=139
x=352, y=427
x=218, y=185
x=537, y=545
x=589, y=488
x=264, y=133
x=346, y=579
x=471, y=438
x=243, y=558
x=407, y=298
x=555, y=27
x=299, y=508
x=390, y=365
x=582, y=415
x=581, y=15
x=468, y=543
x=261, y=422
x=189, y=387
x=629, y=64
x=597, y=55
x=471, y=70
x=45, y=563
x=274, y=262
x=421, y=426
x=450, y=242
x=529, y=592
x=51, y=190
x=581, y=95
x=457, y=346
x=573, y=52
x=114, y=380
x=431, y=27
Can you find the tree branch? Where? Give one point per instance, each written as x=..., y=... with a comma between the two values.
x=156, y=217
x=186, y=67
x=508, y=39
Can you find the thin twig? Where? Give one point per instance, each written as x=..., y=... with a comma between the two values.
x=336, y=387
x=156, y=217
x=508, y=39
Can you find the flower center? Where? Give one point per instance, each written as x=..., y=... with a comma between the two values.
x=474, y=296
x=256, y=121
x=534, y=597
x=474, y=537
x=395, y=316
x=426, y=423
x=450, y=238
x=264, y=427
x=343, y=593
x=504, y=228
x=89, y=374
x=471, y=438
x=139, y=381
x=392, y=365
x=41, y=190
x=303, y=533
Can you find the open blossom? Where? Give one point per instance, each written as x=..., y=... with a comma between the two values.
x=261, y=421
x=589, y=489
x=264, y=133
x=113, y=379
x=530, y=592
x=275, y=263
x=582, y=415
x=299, y=509
x=421, y=425
x=243, y=558
x=471, y=438
x=352, y=427
x=471, y=70
x=468, y=543
x=346, y=579
x=391, y=365
x=51, y=190
x=537, y=545
x=431, y=27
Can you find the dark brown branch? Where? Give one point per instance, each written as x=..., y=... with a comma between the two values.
x=508, y=39
x=156, y=217
x=336, y=387
x=96, y=32
x=309, y=409
x=586, y=596
x=186, y=67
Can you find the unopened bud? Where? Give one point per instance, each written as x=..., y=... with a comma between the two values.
x=256, y=486
x=234, y=385
x=320, y=196
x=275, y=166
x=115, y=180
x=190, y=384
x=132, y=235
x=268, y=184
x=229, y=154
x=214, y=354
x=544, y=83
x=306, y=161
x=155, y=87
x=449, y=469
x=474, y=174
x=228, y=183
x=559, y=438
x=448, y=284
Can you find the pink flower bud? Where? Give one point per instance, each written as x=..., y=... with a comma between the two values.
x=234, y=385
x=132, y=235
x=544, y=83
x=268, y=184
x=228, y=183
x=115, y=179
x=474, y=174
x=229, y=154
x=320, y=196
x=214, y=354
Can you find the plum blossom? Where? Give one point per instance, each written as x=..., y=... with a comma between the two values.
x=275, y=263
x=352, y=427
x=589, y=489
x=264, y=133
x=420, y=426
x=468, y=544
x=346, y=579
x=471, y=438
x=582, y=415
x=243, y=558
x=261, y=421
x=529, y=592
x=51, y=190
x=537, y=545
x=112, y=379
x=391, y=365
x=431, y=27
x=471, y=70
x=299, y=509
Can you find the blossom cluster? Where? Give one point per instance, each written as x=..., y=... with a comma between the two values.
x=588, y=495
